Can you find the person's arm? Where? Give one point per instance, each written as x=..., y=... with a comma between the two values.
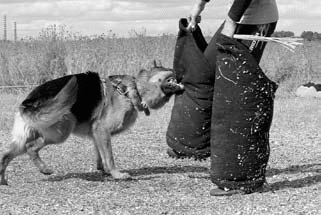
x=238, y=8
x=234, y=15
x=195, y=13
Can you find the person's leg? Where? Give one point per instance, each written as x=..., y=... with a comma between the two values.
x=252, y=181
x=256, y=47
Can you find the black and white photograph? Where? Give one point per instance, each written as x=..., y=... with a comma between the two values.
x=125, y=107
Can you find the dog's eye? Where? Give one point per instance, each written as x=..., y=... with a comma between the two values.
x=171, y=80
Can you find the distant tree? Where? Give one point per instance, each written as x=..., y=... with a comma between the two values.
x=316, y=36
x=308, y=35
x=283, y=34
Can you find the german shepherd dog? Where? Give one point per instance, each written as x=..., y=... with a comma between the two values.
x=86, y=105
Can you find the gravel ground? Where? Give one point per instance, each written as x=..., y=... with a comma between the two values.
x=161, y=185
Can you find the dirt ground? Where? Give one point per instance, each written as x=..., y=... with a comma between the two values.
x=161, y=185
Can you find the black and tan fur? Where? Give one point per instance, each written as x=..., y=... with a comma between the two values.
x=85, y=105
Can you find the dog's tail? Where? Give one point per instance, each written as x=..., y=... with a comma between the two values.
x=44, y=113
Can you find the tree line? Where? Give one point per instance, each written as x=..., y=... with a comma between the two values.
x=308, y=35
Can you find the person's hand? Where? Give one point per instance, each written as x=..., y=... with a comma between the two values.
x=195, y=17
x=192, y=22
x=229, y=27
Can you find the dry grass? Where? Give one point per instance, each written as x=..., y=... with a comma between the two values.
x=34, y=61
x=58, y=52
x=162, y=185
x=291, y=70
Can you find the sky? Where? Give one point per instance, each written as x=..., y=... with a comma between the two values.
x=95, y=17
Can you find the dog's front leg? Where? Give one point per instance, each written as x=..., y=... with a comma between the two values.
x=99, y=163
x=102, y=141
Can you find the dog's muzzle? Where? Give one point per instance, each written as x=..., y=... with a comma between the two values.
x=171, y=87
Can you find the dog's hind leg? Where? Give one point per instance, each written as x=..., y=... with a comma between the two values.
x=21, y=135
x=102, y=141
x=15, y=149
x=33, y=149
x=56, y=133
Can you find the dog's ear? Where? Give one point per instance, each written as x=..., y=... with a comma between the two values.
x=154, y=64
x=157, y=64
x=143, y=75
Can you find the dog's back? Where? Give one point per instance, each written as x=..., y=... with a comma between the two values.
x=45, y=105
x=81, y=93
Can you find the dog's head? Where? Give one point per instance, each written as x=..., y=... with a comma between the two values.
x=157, y=84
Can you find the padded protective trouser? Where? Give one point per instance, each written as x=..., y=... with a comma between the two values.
x=241, y=118
x=189, y=128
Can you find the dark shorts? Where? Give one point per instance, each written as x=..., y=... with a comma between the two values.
x=256, y=47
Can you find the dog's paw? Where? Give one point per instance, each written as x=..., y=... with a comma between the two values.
x=100, y=167
x=3, y=182
x=46, y=171
x=120, y=175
